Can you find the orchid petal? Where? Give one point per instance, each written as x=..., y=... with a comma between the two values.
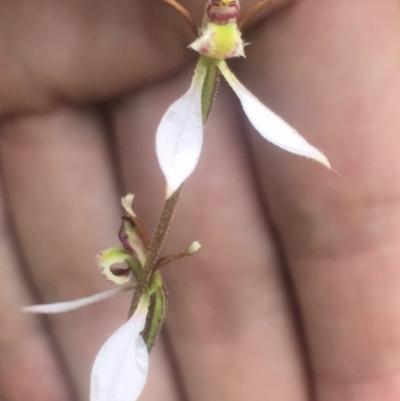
x=60, y=307
x=111, y=257
x=268, y=124
x=180, y=134
x=120, y=370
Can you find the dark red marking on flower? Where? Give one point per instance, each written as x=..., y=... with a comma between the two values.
x=123, y=236
x=222, y=14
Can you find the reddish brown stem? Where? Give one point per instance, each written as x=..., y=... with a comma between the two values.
x=155, y=248
x=262, y=5
x=170, y=258
x=185, y=14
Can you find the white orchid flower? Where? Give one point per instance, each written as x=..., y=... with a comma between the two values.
x=179, y=135
x=120, y=369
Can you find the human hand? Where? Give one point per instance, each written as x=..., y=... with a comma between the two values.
x=297, y=278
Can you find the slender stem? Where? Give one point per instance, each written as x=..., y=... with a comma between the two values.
x=185, y=14
x=160, y=233
x=155, y=247
x=171, y=258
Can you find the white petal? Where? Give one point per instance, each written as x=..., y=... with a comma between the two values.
x=120, y=369
x=180, y=134
x=268, y=124
x=60, y=307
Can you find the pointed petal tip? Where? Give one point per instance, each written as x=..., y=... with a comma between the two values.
x=126, y=202
x=27, y=309
x=269, y=125
x=61, y=307
x=321, y=158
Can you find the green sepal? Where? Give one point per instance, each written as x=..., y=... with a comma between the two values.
x=135, y=266
x=156, y=312
x=210, y=86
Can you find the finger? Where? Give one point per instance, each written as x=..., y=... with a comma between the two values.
x=94, y=50
x=229, y=321
x=61, y=185
x=336, y=80
x=27, y=357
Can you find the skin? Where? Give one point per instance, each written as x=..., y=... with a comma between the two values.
x=295, y=295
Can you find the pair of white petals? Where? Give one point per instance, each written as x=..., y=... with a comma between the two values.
x=180, y=133
x=120, y=369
